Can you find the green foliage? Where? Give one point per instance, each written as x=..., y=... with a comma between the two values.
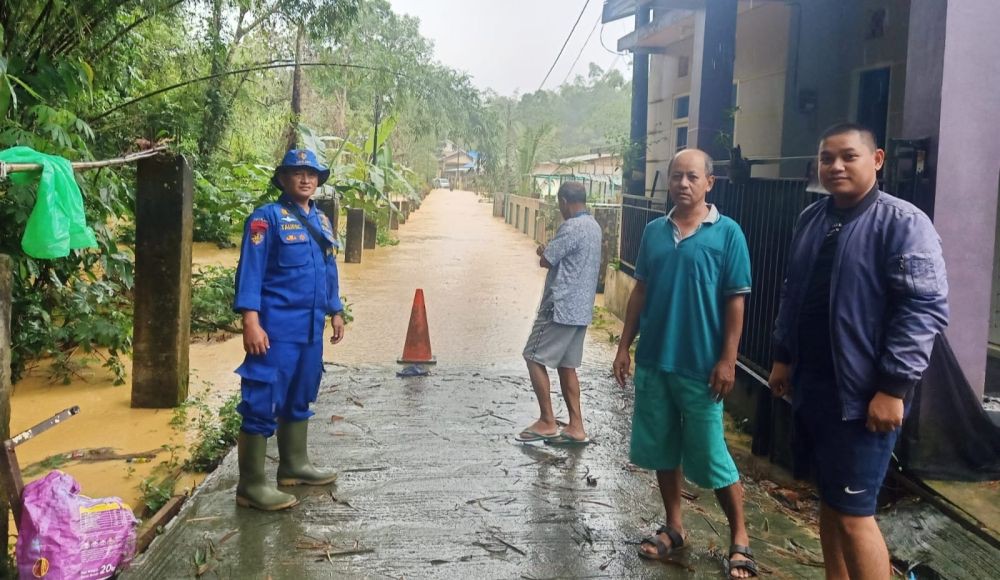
x=347, y=315
x=212, y=294
x=384, y=238
x=224, y=199
x=156, y=492
x=215, y=433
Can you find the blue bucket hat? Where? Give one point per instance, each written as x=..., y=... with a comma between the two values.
x=298, y=158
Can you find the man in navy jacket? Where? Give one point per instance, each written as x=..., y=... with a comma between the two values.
x=864, y=297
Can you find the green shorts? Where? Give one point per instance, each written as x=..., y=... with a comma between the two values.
x=675, y=423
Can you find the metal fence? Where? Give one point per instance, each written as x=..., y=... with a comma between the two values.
x=637, y=211
x=766, y=209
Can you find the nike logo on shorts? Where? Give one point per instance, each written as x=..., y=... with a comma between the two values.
x=850, y=491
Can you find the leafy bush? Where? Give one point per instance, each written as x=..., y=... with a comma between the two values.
x=79, y=303
x=212, y=294
x=216, y=432
x=156, y=493
x=224, y=198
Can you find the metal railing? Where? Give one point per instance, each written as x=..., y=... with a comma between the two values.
x=766, y=209
x=637, y=211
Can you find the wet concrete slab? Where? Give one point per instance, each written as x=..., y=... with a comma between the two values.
x=433, y=485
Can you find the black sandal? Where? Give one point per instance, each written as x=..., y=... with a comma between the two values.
x=663, y=551
x=750, y=565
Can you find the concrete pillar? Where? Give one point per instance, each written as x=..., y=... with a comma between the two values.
x=331, y=207
x=355, y=236
x=404, y=206
x=162, y=323
x=371, y=232
x=951, y=97
x=712, y=76
x=609, y=218
x=394, y=217
x=663, y=70
x=633, y=175
x=6, y=390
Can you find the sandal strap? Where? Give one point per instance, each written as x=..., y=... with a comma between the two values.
x=676, y=540
x=748, y=565
x=662, y=550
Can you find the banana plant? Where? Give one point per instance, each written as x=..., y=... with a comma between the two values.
x=358, y=181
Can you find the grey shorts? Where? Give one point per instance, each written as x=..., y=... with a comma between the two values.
x=555, y=345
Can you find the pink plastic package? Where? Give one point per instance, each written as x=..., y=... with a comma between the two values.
x=67, y=535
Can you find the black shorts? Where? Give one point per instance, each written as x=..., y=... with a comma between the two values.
x=850, y=462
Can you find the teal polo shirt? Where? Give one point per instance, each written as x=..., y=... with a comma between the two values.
x=687, y=283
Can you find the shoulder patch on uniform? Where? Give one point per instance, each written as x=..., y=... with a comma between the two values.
x=258, y=225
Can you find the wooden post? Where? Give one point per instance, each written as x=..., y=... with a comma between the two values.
x=162, y=325
x=371, y=233
x=6, y=281
x=355, y=236
x=404, y=207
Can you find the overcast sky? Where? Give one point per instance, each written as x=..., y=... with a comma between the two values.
x=509, y=45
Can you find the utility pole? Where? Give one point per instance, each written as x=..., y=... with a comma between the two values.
x=378, y=119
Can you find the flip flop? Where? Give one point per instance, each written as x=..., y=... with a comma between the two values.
x=567, y=441
x=530, y=436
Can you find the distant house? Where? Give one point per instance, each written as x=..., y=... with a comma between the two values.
x=600, y=174
x=770, y=75
x=457, y=164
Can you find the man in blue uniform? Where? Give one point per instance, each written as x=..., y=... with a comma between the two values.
x=286, y=286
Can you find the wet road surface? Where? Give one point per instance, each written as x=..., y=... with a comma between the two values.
x=433, y=485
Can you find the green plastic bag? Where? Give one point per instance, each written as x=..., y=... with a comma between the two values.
x=57, y=223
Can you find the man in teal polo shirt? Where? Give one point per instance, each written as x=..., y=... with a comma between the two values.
x=694, y=267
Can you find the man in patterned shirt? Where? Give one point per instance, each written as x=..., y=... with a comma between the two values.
x=573, y=258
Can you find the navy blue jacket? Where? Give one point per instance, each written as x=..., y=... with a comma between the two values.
x=888, y=298
x=284, y=275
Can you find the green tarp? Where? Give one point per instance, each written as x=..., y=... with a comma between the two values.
x=57, y=223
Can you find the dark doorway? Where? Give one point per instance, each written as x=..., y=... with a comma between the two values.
x=873, y=102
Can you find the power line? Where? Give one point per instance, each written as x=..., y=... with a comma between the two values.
x=606, y=46
x=572, y=30
x=585, y=43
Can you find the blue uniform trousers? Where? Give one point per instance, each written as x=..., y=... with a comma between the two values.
x=280, y=384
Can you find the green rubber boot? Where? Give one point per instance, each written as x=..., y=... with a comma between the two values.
x=294, y=467
x=253, y=489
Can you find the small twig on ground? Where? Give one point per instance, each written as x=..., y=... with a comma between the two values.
x=711, y=525
x=509, y=545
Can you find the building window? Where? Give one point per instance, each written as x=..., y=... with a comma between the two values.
x=683, y=66
x=680, y=137
x=681, y=105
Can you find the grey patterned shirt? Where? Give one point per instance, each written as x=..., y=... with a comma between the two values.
x=571, y=284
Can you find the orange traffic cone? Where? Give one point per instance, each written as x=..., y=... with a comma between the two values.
x=417, y=349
